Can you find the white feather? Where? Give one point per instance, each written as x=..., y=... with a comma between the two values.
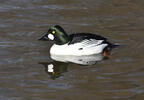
x=86, y=47
x=50, y=36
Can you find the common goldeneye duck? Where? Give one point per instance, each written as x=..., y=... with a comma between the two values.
x=75, y=44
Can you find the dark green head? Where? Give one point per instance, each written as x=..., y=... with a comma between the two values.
x=57, y=34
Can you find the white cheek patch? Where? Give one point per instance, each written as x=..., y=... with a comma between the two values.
x=50, y=36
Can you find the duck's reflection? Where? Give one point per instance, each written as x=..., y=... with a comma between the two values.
x=55, y=69
x=82, y=60
x=60, y=63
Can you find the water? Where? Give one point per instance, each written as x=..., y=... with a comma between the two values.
x=23, y=75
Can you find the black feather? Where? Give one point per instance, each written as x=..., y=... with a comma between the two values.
x=78, y=37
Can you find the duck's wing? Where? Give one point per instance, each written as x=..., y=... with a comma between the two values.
x=79, y=37
x=87, y=46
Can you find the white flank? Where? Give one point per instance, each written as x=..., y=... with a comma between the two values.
x=50, y=36
x=86, y=47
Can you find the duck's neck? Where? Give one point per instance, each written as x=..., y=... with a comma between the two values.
x=62, y=39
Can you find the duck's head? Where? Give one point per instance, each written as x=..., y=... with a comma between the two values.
x=57, y=34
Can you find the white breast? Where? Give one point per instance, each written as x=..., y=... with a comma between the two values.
x=86, y=47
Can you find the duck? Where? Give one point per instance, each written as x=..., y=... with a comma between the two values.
x=76, y=44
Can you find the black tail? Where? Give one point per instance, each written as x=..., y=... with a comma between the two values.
x=110, y=47
x=114, y=46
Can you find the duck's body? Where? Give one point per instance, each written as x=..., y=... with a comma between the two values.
x=75, y=44
x=81, y=44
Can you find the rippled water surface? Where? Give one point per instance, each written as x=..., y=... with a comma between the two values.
x=23, y=59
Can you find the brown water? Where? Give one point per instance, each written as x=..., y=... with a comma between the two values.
x=22, y=74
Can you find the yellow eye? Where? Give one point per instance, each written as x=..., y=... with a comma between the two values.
x=53, y=32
